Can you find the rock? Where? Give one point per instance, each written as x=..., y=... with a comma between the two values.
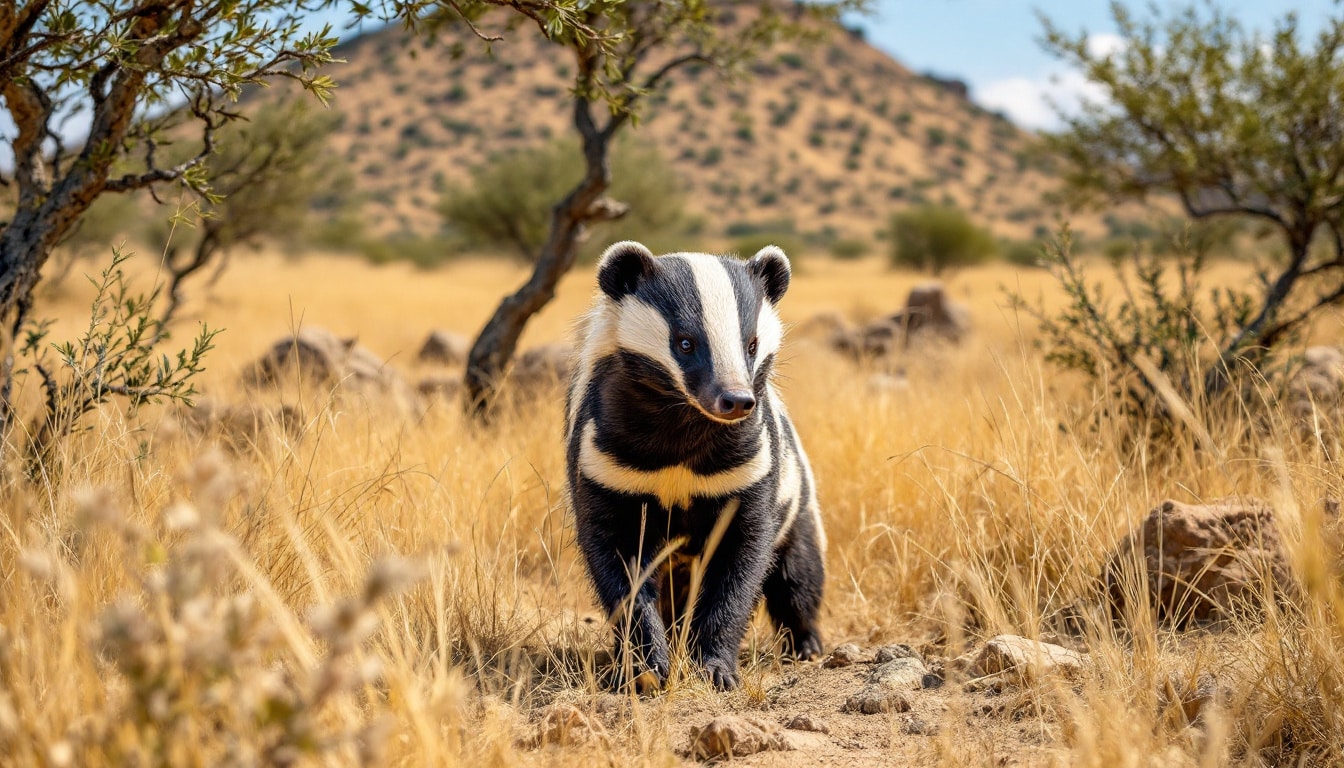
x=565, y=725
x=913, y=725
x=1315, y=397
x=823, y=326
x=892, y=652
x=440, y=386
x=878, y=339
x=876, y=699
x=808, y=723
x=843, y=656
x=547, y=365
x=444, y=348
x=928, y=316
x=1019, y=659
x=730, y=736
x=317, y=357
x=929, y=313
x=931, y=681
x=1203, y=562
x=898, y=674
x=237, y=425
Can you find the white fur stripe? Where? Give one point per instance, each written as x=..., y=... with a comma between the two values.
x=673, y=486
x=769, y=334
x=723, y=326
x=643, y=329
x=598, y=342
x=788, y=484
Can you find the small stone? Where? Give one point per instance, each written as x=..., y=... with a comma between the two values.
x=566, y=725
x=808, y=723
x=444, y=348
x=876, y=699
x=892, y=652
x=917, y=726
x=931, y=681
x=1026, y=660
x=736, y=736
x=898, y=673
x=843, y=656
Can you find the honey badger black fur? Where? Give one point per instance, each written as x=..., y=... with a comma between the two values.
x=671, y=423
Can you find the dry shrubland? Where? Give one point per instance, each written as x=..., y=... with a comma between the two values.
x=368, y=586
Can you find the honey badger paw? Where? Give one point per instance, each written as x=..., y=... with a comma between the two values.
x=805, y=648
x=723, y=674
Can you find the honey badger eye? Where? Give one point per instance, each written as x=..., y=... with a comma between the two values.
x=751, y=346
x=686, y=344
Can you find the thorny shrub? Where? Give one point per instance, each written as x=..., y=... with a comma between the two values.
x=1158, y=353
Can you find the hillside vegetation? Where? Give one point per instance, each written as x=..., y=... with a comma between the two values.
x=824, y=140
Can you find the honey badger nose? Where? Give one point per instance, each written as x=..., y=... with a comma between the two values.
x=734, y=404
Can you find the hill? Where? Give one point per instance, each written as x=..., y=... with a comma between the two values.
x=826, y=138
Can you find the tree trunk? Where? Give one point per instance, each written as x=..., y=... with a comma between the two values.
x=25, y=244
x=498, y=340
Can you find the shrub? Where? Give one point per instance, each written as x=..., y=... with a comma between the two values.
x=508, y=206
x=750, y=244
x=1155, y=348
x=934, y=238
x=849, y=248
x=1023, y=253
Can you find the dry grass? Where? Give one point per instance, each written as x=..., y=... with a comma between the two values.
x=159, y=604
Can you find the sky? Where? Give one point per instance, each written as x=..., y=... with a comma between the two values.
x=994, y=44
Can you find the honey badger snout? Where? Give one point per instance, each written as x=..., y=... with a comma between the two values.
x=734, y=404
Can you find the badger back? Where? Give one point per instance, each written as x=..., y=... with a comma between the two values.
x=702, y=326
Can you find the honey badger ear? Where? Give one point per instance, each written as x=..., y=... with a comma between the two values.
x=623, y=267
x=771, y=267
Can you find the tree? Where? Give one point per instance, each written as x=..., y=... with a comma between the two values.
x=623, y=51
x=125, y=65
x=136, y=71
x=1233, y=124
x=508, y=203
x=267, y=174
x=934, y=238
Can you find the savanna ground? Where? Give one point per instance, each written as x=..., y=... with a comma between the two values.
x=171, y=602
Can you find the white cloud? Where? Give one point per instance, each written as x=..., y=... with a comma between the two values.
x=1028, y=100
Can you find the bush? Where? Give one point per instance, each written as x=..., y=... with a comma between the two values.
x=934, y=238
x=1023, y=253
x=1154, y=347
x=849, y=248
x=750, y=244
x=508, y=205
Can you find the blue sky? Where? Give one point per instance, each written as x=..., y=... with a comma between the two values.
x=993, y=44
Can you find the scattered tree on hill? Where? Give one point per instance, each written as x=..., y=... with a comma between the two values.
x=1233, y=124
x=509, y=201
x=623, y=51
x=935, y=238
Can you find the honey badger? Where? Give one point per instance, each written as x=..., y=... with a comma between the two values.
x=671, y=424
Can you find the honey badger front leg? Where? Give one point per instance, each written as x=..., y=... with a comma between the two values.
x=731, y=588
x=620, y=537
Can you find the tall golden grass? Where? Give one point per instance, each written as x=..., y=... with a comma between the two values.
x=382, y=589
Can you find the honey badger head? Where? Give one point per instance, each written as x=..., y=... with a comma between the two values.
x=705, y=325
